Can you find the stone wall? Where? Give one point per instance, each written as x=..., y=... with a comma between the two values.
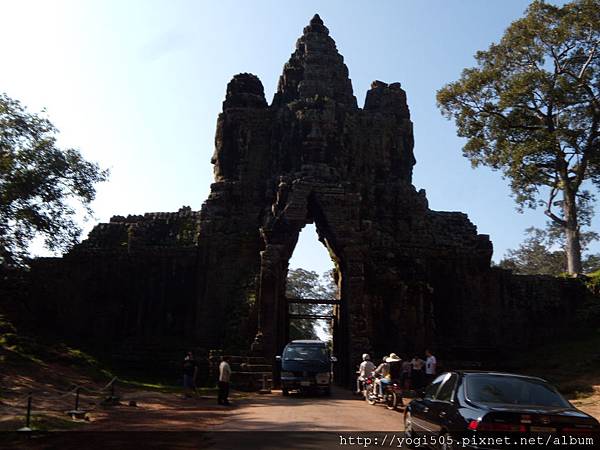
x=409, y=277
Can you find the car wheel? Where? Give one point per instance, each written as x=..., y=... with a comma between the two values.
x=409, y=432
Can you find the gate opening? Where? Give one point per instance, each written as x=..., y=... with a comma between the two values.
x=312, y=294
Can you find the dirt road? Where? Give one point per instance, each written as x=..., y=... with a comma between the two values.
x=166, y=420
x=341, y=411
x=253, y=421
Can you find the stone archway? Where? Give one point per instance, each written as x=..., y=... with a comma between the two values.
x=302, y=202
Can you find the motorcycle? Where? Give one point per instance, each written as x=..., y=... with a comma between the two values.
x=392, y=394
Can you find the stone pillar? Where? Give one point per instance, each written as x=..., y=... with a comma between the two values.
x=271, y=315
x=355, y=314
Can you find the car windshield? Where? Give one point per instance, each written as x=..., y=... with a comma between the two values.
x=501, y=389
x=306, y=353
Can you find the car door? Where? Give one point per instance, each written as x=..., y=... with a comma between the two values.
x=443, y=411
x=421, y=411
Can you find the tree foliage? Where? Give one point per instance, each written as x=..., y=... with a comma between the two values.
x=41, y=185
x=308, y=284
x=540, y=253
x=531, y=108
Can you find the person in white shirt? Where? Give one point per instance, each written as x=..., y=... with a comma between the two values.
x=430, y=366
x=365, y=370
x=224, y=377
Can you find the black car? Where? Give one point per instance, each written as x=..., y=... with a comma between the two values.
x=306, y=366
x=460, y=409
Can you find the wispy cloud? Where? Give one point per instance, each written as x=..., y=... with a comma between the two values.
x=163, y=44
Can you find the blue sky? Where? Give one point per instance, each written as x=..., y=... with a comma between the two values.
x=137, y=86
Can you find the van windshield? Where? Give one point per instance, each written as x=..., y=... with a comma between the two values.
x=306, y=353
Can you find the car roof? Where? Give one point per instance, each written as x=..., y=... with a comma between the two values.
x=501, y=374
x=309, y=342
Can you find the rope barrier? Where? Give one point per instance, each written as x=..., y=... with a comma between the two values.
x=44, y=391
x=73, y=389
x=110, y=383
x=15, y=409
x=18, y=411
x=76, y=388
x=68, y=393
x=23, y=397
x=97, y=391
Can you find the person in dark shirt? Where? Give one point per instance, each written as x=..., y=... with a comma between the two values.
x=417, y=373
x=190, y=373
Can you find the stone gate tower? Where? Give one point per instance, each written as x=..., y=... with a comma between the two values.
x=314, y=156
x=409, y=277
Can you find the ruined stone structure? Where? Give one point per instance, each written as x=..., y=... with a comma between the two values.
x=409, y=277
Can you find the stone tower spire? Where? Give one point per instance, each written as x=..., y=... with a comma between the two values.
x=315, y=69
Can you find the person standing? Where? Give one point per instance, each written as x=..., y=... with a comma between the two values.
x=190, y=373
x=430, y=366
x=406, y=374
x=223, y=384
x=417, y=372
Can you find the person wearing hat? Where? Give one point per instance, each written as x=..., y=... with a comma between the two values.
x=365, y=370
x=394, y=371
x=395, y=368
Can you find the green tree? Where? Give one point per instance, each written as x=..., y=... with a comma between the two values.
x=308, y=284
x=592, y=263
x=531, y=108
x=41, y=185
x=538, y=255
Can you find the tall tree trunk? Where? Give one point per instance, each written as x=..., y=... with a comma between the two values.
x=573, y=249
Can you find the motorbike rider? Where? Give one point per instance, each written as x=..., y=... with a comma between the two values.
x=383, y=370
x=395, y=369
x=365, y=370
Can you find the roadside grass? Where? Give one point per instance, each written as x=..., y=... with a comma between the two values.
x=163, y=387
x=573, y=366
x=19, y=349
x=147, y=384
